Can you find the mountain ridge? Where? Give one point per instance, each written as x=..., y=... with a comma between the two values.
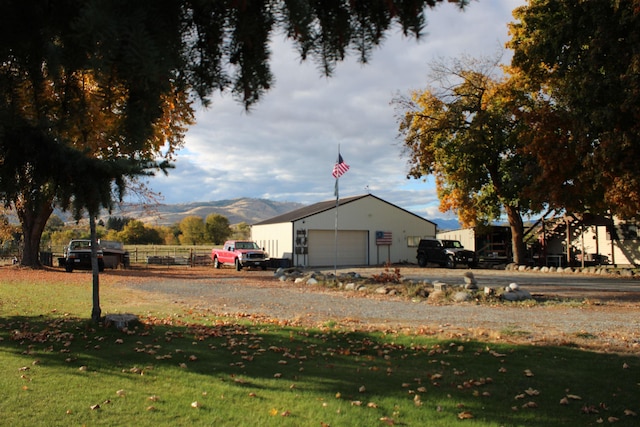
x=244, y=209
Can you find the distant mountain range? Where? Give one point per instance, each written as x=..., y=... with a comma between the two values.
x=236, y=210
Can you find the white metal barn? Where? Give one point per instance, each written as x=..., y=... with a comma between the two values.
x=370, y=231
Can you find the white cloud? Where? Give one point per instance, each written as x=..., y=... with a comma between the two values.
x=285, y=148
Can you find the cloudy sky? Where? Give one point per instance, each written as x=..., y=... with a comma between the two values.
x=285, y=148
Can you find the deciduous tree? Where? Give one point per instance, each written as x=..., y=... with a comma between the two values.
x=464, y=130
x=192, y=230
x=217, y=228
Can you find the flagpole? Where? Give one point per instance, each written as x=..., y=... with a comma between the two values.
x=335, y=236
x=338, y=170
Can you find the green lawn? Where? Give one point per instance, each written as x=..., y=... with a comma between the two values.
x=193, y=369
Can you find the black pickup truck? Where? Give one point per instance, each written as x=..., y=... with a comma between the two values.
x=78, y=256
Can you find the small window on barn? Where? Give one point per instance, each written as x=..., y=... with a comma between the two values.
x=413, y=241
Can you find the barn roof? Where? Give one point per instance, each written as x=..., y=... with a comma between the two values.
x=319, y=207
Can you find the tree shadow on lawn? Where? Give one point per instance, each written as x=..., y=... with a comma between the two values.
x=416, y=375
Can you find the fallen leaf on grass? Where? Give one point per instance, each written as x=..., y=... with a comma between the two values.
x=94, y=407
x=573, y=397
x=154, y=398
x=589, y=409
x=388, y=421
x=120, y=393
x=465, y=415
x=564, y=401
x=528, y=373
x=532, y=392
x=195, y=404
x=630, y=413
x=530, y=405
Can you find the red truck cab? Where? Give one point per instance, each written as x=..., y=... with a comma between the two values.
x=240, y=253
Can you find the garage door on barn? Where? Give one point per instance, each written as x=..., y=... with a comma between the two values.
x=352, y=247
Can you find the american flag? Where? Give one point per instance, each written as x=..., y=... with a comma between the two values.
x=384, y=238
x=340, y=167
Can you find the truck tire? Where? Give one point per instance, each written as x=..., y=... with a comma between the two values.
x=216, y=263
x=451, y=261
x=422, y=260
x=68, y=268
x=238, y=265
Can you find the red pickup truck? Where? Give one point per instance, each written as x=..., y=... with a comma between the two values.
x=241, y=253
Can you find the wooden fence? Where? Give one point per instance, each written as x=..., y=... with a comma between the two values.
x=151, y=254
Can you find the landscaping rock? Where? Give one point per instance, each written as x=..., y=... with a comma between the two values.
x=437, y=295
x=470, y=281
x=513, y=292
x=120, y=321
x=440, y=286
x=461, y=296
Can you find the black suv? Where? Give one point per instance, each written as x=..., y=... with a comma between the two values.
x=431, y=250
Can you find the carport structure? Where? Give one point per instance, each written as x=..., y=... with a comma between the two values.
x=591, y=239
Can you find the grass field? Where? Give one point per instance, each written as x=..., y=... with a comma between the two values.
x=184, y=367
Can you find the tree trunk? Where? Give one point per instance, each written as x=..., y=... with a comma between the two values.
x=517, y=235
x=96, y=312
x=33, y=216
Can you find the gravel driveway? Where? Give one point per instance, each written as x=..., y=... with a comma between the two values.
x=604, y=325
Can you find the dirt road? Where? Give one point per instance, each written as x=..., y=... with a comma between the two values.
x=610, y=322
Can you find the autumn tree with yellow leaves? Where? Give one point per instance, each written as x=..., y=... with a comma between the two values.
x=466, y=130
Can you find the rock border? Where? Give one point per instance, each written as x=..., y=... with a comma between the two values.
x=392, y=284
x=597, y=270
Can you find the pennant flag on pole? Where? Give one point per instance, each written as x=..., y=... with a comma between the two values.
x=340, y=167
